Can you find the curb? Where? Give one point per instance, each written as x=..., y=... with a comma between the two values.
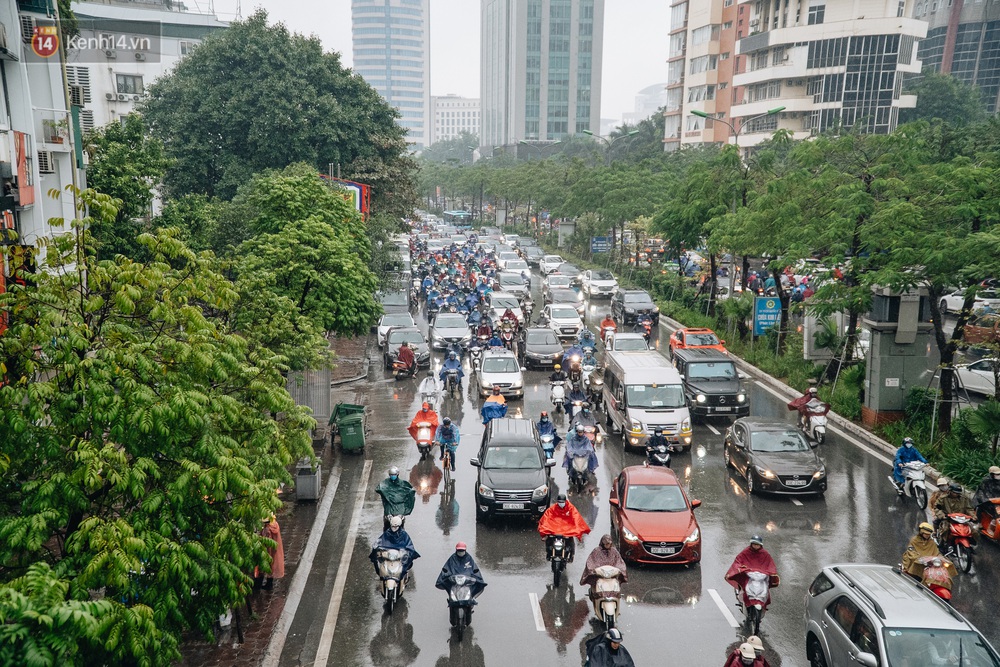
x=366, y=365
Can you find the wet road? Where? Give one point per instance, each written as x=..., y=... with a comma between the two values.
x=669, y=614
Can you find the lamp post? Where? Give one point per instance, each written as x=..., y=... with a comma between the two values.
x=609, y=144
x=541, y=148
x=737, y=131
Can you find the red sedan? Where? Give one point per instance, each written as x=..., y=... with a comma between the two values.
x=653, y=518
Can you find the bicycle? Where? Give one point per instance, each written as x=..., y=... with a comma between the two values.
x=446, y=460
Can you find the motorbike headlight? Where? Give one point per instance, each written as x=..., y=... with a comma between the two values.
x=701, y=398
x=693, y=537
x=539, y=493
x=629, y=535
x=740, y=398
x=656, y=309
x=485, y=491
x=764, y=472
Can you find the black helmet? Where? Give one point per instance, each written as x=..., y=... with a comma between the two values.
x=955, y=487
x=756, y=539
x=561, y=497
x=658, y=431
x=447, y=421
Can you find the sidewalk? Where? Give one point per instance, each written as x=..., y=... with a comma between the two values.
x=296, y=520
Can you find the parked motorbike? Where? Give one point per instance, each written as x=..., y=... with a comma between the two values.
x=606, y=595
x=401, y=371
x=658, y=456
x=460, y=602
x=424, y=439
x=812, y=419
x=452, y=383
x=957, y=542
x=752, y=598
x=390, y=572
x=578, y=471
x=557, y=553
x=913, y=482
x=557, y=394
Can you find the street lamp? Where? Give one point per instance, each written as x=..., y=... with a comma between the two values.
x=736, y=132
x=541, y=148
x=610, y=143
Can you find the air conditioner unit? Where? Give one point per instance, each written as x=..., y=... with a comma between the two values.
x=785, y=57
x=27, y=28
x=135, y=98
x=109, y=96
x=3, y=36
x=140, y=56
x=76, y=95
x=111, y=54
x=754, y=23
x=45, y=163
x=122, y=98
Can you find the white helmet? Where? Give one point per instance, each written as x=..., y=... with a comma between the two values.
x=395, y=523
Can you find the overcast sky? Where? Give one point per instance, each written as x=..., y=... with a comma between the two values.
x=635, y=41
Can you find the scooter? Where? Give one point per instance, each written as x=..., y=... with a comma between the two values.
x=557, y=394
x=390, y=564
x=424, y=439
x=476, y=354
x=605, y=331
x=647, y=329
x=460, y=602
x=812, y=419
x=578, y=471
x=913, y=482
x=989, y=526
x=400, y=370
x=548, y=445
x=606, y=594
x=752, y=599
x=595, y=390
x=575, y=371
x=658, y=456
x=957, y=543
x=937, y=575
x=452, y=383
x=557, y=553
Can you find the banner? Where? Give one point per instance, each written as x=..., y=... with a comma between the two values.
x=766, y=313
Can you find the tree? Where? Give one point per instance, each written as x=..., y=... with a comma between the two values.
x=944, y=97
x=125, y=163
x=457, y=150
x=255, y=97
x=145, y=442
x=198, y=219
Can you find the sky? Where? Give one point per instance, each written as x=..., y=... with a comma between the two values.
x=635, y=41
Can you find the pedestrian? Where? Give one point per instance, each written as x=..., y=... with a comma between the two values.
x=272, y=531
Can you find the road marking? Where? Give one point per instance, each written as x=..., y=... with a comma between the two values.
x=336, y=597
x=796, y=501
x=536, y=611
x=277, y=643
x=712, y=429
x=723, y=608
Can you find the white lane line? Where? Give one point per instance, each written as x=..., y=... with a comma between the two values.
x=723, y=608
x=796, y=501
x=337, y=596
x=277, y=643
x=712, y=429
x=536, y=611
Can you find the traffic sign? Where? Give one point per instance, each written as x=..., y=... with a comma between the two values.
x=766, y=311
x=600, y=244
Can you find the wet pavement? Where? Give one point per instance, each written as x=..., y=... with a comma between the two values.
x=669, y=613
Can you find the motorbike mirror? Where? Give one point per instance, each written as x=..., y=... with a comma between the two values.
x=866, y=659
x=613, y=501
x=550, y=463
x=474, y=463
x=695, y=504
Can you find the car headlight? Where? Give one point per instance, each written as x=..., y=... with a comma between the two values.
x=740, y=398
x=686, y=425
x=701, y=398
x=636, y=426
x=485, y=491
x=693, y=537
x=629, y=535
x=630, y=310
x=764, y=472
x=656, y=309
x=539, y=493
x=466, y=338
x=819, y=474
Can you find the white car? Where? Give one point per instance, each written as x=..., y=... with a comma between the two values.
x=598, y=283
x=626, y=342
x=563, y=319
x=511, y=239
x=500, y=368
x=953, y=302
x=979, y=376
x=518, y=265
x=550, y=263
x=507, y=256
x=500, y=302
x=392, y=320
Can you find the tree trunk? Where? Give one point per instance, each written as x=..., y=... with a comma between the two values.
x=783, y=297
x=946, y=350
x=744, y=272
x=711, y=284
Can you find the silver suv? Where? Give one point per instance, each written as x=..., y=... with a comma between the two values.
x=874, y=616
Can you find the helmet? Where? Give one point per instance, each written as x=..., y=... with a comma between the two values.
x=812, y=390
x=925, y=526
x=943, y=482
x=545, y=414
x=426, y=406
x=995, y=470
x=608, y=316
x=908, y=441
x=452, y=355
x=496, y=389
x=614, y=635
x=461, y=547
x=658, y=431
x=447, y=421
x=955, y=487
x=405, y=344
x=561, y=497
x=557, y=367
x=756, y=539
x=393, y=470
x=757, y=644
x=430, y=373
x=579, y=428
x=395, y=523
x=747, y=651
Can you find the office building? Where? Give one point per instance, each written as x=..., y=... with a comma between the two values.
x=392, y=53
x=647, y=102
x=540, y=69
x=963, y=39
x=452, y=116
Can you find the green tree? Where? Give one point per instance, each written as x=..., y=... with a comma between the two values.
x=198, y=219
x=944, y=97
x=145, y=442
x=457, y=150
x=256, y=97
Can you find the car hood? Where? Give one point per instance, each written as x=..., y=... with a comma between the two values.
x=566, y=321
x=714, y=387
x=660, y=526
x=554, y=348
x=788, y=463
x=512, y=480
x=452, y=332
x=486, y=378
x=597, y=282
x=660, y=416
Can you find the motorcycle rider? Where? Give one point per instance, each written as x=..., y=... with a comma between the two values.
x=485, y=330
x=754, y=558
x=575, y=394
x=493, y=409
x=907, y=453
x=758, y=649
x=607, y=323
x=398, y=496
x=452, y=363
x=954, y=502
x=405, y=356
x=497, y=396
x=589, y=360
x=607, y=651
x=989, y=489
x=942, y=491
x=424, y=414
x=604, y=554
x=394, y=537
x=800, y=404
x=448, y=436
x=641, y=321
x=571, y=351
x=564, y=519
x=546, y=427
x=558, y=374
x=656, y=440
x=495, y=340
x=586, y=339
x=584, y=418
x=429, y=389
x=578, y=444
x=922, y=544
x=461, y=562
x=743, y=655
x=509, y=315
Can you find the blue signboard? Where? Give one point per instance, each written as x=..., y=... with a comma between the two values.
x=600, y=244
x=766, y=312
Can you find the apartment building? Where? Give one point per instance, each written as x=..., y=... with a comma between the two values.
x=454, y=115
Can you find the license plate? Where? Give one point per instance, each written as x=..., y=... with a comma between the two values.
x=513, y=506
x=725, y=409
x=662, y=551
x=797, y=482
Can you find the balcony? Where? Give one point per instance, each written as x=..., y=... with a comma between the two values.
x=52, y=130
x=35, y=6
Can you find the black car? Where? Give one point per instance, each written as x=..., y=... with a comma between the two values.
x=532, y=255
x=414, y=338
x=773, y=457
x=568, y=297
x=712, y=383
x=513, y=471
x=572, y=271
x=627, y=305
x=539, y=347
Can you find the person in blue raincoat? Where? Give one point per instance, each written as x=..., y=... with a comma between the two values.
x=493, y=410
x=451, y=363
x=474, y=318
x=448, y=437
x=578, y=444
x=495, y=340
x=905, y=454
x=570, y=351
x=395, y=538
x=546, y=427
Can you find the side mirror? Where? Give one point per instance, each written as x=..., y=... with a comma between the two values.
x=523, y=369
x=722, y=342
x=695, y=504
x=739, y=444
x=866, y=660
x=550, y=463
x=614, y=502
x=743, y=376
x=475, y=463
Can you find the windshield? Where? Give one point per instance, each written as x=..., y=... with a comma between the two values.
x=542, y=338
x=725, y=370
x=647, y=396
x=397, y=321
x=512, y=458
x=568, y=270
x=450, y=321
x=778, y=441
x=509, y=255
x=510, y=279
x=559, y=281
x=519, y=265
x=565, y=314
x=923, y=647
x=630, y=344
x=655, y=498
x=500, y=365
x=411, y=337
x=505, y=302
x=553, y=259
x=601, y=275
x=639, y=297
x=702, y=339
x=394, y=299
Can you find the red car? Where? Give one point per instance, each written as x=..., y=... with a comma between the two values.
x=684, y=339
x=653, y=519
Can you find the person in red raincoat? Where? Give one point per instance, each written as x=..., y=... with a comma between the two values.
x=752, y=559
x=424, y=414
x=563, y=519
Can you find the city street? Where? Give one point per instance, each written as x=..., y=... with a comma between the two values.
x=670, y=614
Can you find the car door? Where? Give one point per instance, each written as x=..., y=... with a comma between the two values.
x=979, y=377
x=740, y=453
x=838, y=622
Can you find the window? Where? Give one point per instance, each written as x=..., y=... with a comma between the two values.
x=129, y=84
x=694, y=123
x=704, y=64
x=843, y=612
x=821, y=584
x=704, y=34
x=724, y=56
x=187, y=47
x=701, y=93
x=728, y=25
x=816, y=13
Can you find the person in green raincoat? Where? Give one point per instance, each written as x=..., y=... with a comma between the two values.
x=397, y=496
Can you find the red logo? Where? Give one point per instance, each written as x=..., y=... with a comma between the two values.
x=45, y=41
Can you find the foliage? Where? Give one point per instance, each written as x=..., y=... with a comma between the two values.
x=984, y=422
x=146, y=440
x=457, y=150
x=945, y=97
x=197, y=218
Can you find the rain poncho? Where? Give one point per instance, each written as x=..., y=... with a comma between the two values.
x=905, y=455
x=918, y=548
x=600, y=557
x=461, y=565
x=579, y=445
x=600, y=654
x=548, y=428
x=430, y=416
x=586, y=418
x=397, y=496
x=493, y=410
x=395, y=540
x=565, y=521
x=751, y=560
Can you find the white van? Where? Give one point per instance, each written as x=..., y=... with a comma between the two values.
x=642, y=392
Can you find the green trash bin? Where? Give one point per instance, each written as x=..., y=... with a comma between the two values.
x=352, y=432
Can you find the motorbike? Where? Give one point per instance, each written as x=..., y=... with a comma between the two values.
x=957, y=542
x=913, y=482
x=557, y=553
x=936, y=575
x=647, y=329
x=658, y=456
x=424, y=439
x=400, y=370
x=578, y=471
x=557, y=394
x=605, y=331
x=989, y=527
x=460, y=602
x=575, y=371
x=751, y=598
x=595, y=390
x=812, y=419
x=548, y=445
x=433, y=306
x=588, y=344
x=452, y=383
x=476, y=354
x=606, y=594
x=390, y=572
x=593, y=434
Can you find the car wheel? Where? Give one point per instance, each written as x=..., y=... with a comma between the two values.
x=944, y=307
x=725, y=456
x=815, y=653
x=750, y=484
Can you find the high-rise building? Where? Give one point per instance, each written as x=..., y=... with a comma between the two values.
x=963, y=39
x=452, y=116
x=392, y=53
x=540, y=69
x=647, y=101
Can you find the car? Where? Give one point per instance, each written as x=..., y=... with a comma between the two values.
x=459, y=239
x=533, y=255
x=395, y=302
x=512, y=471
x=982, y=329
x=652, y=518
x=539, y=346
x=598, y=283
x=416, y=340
x=627, y=305
x=562, y=319
x=513, y=283
x=773, y=457
x=505, y=256
x=696, y=337
x=952, y=303
x=511, y=239
x=550, y=263
x=626, y=342
x=866, y=615
x=499, y=303
x=518, y=265
x=499, y=368
x=571, y=270
x=979, y=376
x=555, y=281
x=568, y=297
x=390, y=320
x=712, y=384
x=449, y=328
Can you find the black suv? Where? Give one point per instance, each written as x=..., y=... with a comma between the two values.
x=627, y=305
x=513, y=472
x=712, y=384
